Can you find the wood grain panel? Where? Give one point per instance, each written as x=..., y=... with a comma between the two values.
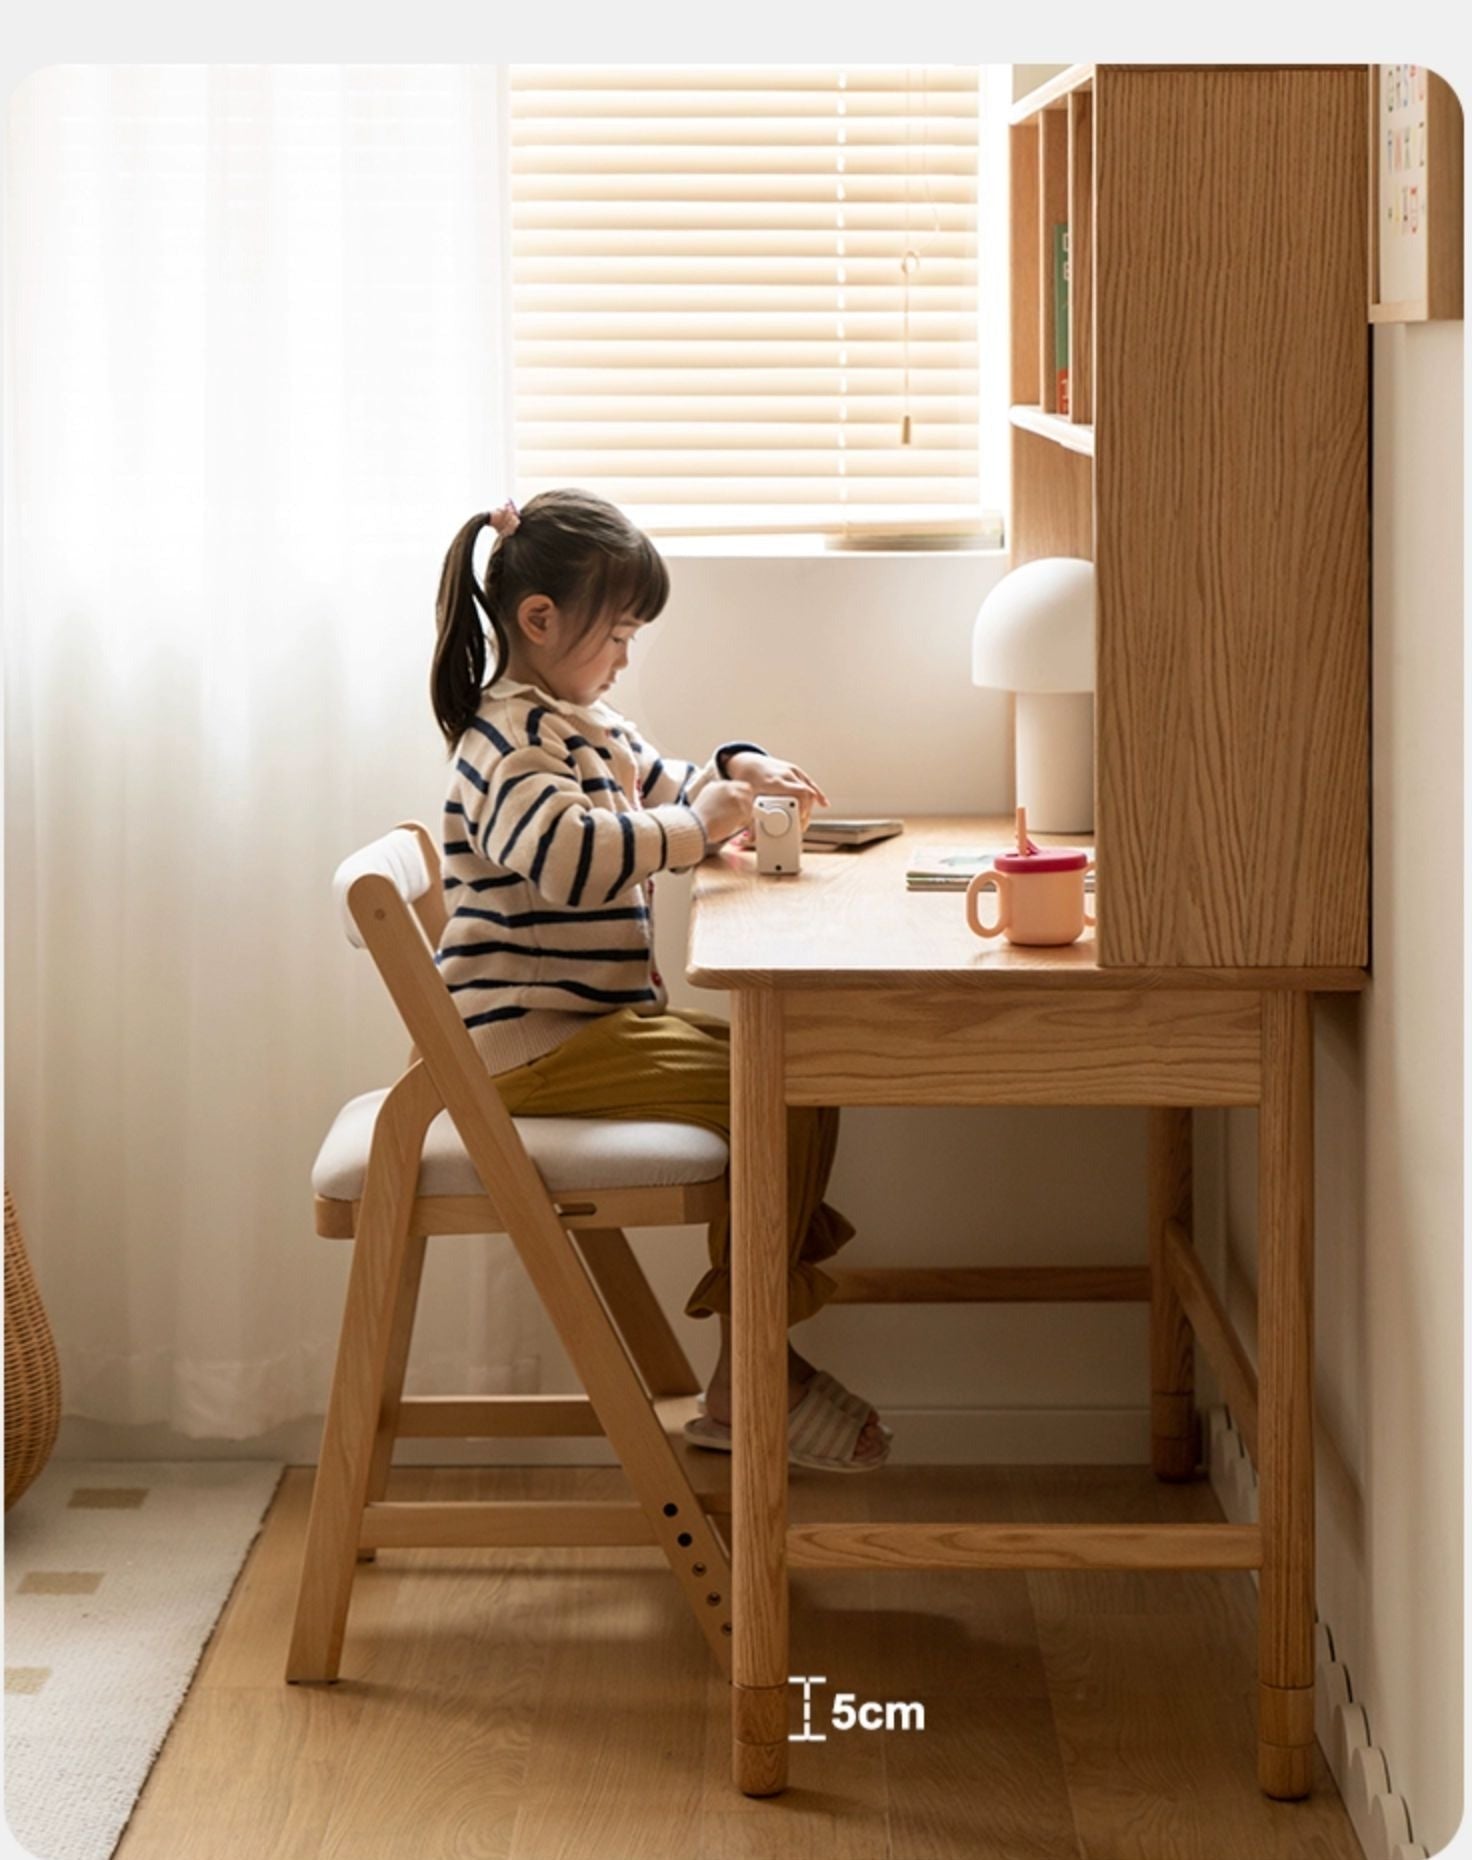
x=1052, y=500
x=1022, y=146
x=1231, y=460
x=1444, y=266
x=932, y=1046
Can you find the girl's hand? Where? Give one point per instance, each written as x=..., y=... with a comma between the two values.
x=723, y=808
x=770, y=775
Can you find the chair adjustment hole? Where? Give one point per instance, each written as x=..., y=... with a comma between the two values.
x=725, y=1627
x=684, y=1540
x=697, y=1569
x=713, y=1601
x=672, y=1511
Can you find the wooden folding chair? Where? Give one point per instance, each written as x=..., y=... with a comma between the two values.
x=393, y=1171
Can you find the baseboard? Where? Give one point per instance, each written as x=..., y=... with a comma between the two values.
x=1380, y=1817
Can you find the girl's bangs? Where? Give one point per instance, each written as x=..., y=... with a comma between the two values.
x=637, y=583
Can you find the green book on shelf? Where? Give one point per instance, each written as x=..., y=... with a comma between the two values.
x=1060, y=314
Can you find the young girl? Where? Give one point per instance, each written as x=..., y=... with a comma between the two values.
x=559, y=815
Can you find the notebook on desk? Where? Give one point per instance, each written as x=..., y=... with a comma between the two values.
x=825, y=834
x=952, y=868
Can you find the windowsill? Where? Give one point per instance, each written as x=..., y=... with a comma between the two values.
x=803, y=548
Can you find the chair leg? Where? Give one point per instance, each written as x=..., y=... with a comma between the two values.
x=405, y=1312
x=370, y=1323
x=1174, y=1429
x=640, y=1317
x=682, y=1527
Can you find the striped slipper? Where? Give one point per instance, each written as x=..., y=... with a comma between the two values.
x=853, y=1404
x=822, y=1429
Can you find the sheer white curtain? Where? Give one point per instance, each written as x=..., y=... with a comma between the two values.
x=255, y=381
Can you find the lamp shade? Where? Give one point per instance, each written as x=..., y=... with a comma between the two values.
x=1035, y=630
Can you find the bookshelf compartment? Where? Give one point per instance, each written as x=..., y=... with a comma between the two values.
x=1052, y=186
x=1055, y=91
x=1055, y=426
x=1052, y=499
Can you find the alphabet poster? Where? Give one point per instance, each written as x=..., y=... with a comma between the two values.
x=1403, y=237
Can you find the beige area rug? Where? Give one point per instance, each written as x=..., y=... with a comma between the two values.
x=115, y=1575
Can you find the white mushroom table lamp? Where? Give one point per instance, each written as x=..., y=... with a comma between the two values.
x=1035, y=635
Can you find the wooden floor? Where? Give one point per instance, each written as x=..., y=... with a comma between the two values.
x=559, y=1704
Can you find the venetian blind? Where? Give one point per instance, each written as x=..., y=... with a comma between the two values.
x=745, y=297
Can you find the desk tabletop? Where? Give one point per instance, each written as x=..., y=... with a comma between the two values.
x=847, y=920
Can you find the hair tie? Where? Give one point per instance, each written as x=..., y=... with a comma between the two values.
x=506, y=519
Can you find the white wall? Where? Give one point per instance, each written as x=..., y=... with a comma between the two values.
x=1389, y=1130
x=1028, y=77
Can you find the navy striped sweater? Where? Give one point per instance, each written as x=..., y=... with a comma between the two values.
x=557, y=818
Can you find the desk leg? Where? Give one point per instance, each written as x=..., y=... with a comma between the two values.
x=1285, y=1315
x=759, y=1393
x=1174, y=1433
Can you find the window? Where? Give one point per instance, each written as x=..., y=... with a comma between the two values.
x=752, y=297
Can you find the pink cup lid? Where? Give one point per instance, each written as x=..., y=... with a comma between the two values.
x=1050, y=859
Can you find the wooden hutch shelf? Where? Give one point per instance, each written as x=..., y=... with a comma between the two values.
x=1053, y=94
x=1055, y=426
x=1211, y=457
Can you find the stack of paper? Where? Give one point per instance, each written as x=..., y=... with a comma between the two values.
x=824, y=832
x=951, y=868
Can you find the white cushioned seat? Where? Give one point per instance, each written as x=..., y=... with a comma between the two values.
x=570, y=1152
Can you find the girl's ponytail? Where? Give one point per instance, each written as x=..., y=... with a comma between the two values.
x=459, y=672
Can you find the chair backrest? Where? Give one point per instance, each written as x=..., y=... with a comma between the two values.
x=393, y=906
x=409, y=857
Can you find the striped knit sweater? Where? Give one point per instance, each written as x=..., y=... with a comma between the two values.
x=558, y=816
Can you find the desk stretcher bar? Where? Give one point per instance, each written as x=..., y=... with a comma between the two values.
x=1024, y=1546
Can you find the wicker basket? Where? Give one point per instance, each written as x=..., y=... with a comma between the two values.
x=32, y=1378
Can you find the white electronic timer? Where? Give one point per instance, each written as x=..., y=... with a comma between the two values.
x=777, y=829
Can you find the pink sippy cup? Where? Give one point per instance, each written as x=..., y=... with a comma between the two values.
x=1040, y=893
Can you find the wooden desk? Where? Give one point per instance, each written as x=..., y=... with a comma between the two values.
x=849, y=990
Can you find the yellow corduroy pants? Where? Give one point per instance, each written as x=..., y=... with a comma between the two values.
x=678, y=1066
